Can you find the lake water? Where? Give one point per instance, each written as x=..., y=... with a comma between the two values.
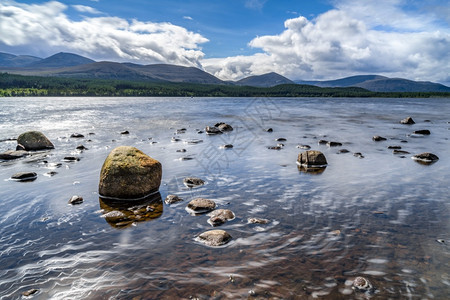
x=384, y=216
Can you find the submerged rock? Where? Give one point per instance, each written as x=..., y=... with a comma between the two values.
x=277, y=147
x=334, y=144
x=77, y=135
x=71, y=158
x=361, y=284
x=24, y=176
x=224, y=127
x=342, y=151
x=358, y=154
x=128, y=173
x=220, y=216
x=214, y=238
x=172, y=199
x=396, y=151
x=378, y=138
x=425, y=158
x=257, y=221
x=11, y=154
x=408, y=121
x=305, y=147
x=76, y=200
x=34, y=140
x=201, y=205
x=312, y=158
x=121, y=214
x=191, y=182
x=422, y=132
x=227, y=146
x=193, y=141
x=212, y=130
x=30, y=292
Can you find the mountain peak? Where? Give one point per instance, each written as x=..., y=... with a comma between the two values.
x=264, y=80
x=62, y=59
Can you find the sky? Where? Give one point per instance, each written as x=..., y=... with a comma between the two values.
x=233, y=39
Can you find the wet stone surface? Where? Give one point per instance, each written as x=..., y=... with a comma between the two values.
x=172, y=199
x=193, y=182
x=214, y=238
x=201, y=205
x=24, y=176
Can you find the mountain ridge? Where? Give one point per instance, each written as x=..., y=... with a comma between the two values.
x=72, y=65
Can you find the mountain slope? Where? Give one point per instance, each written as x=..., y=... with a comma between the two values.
x=61, y=60
x=376, y=83
x=343, y=82
x=129, y=71
x=265, y=80
x=402, y=85
x=17, y=61
x=173, y=73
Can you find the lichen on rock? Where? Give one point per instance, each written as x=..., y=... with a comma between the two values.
x=128, y=173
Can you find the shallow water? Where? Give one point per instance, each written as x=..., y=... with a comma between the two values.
x=384, y=216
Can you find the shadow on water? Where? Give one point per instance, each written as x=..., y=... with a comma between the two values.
x=122, y=214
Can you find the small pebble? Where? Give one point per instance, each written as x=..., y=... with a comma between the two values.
x=76, y=200
x=71, y=158
x=30, y=292
x=227, y=146
x=378, y=138
x=193, y=182
x=171, y=199
x=257, y=221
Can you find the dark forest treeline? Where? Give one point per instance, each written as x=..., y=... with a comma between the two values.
x=18, y=85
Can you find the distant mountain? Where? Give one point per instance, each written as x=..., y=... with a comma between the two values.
x=265, y=80
x=72, y=65
x=17, y=61
x=343, y=82
x=402, y=85
x=76, y=66
x=173, y=73
x=60, y=60
x=128, y=71
x=376, y=83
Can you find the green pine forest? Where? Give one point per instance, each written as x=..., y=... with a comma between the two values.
x=35, y=86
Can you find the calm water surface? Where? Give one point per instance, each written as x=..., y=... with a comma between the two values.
x=384, y=216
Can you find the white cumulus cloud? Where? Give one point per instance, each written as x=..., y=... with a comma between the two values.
x=346, y=41
x=46, y=28
x=87, y=9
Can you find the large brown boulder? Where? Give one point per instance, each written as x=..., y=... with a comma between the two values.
x=312, y=158
x=34, y=140
x=128, y=173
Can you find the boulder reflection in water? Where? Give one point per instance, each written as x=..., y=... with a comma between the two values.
x=122, y=214
x=311, y=170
